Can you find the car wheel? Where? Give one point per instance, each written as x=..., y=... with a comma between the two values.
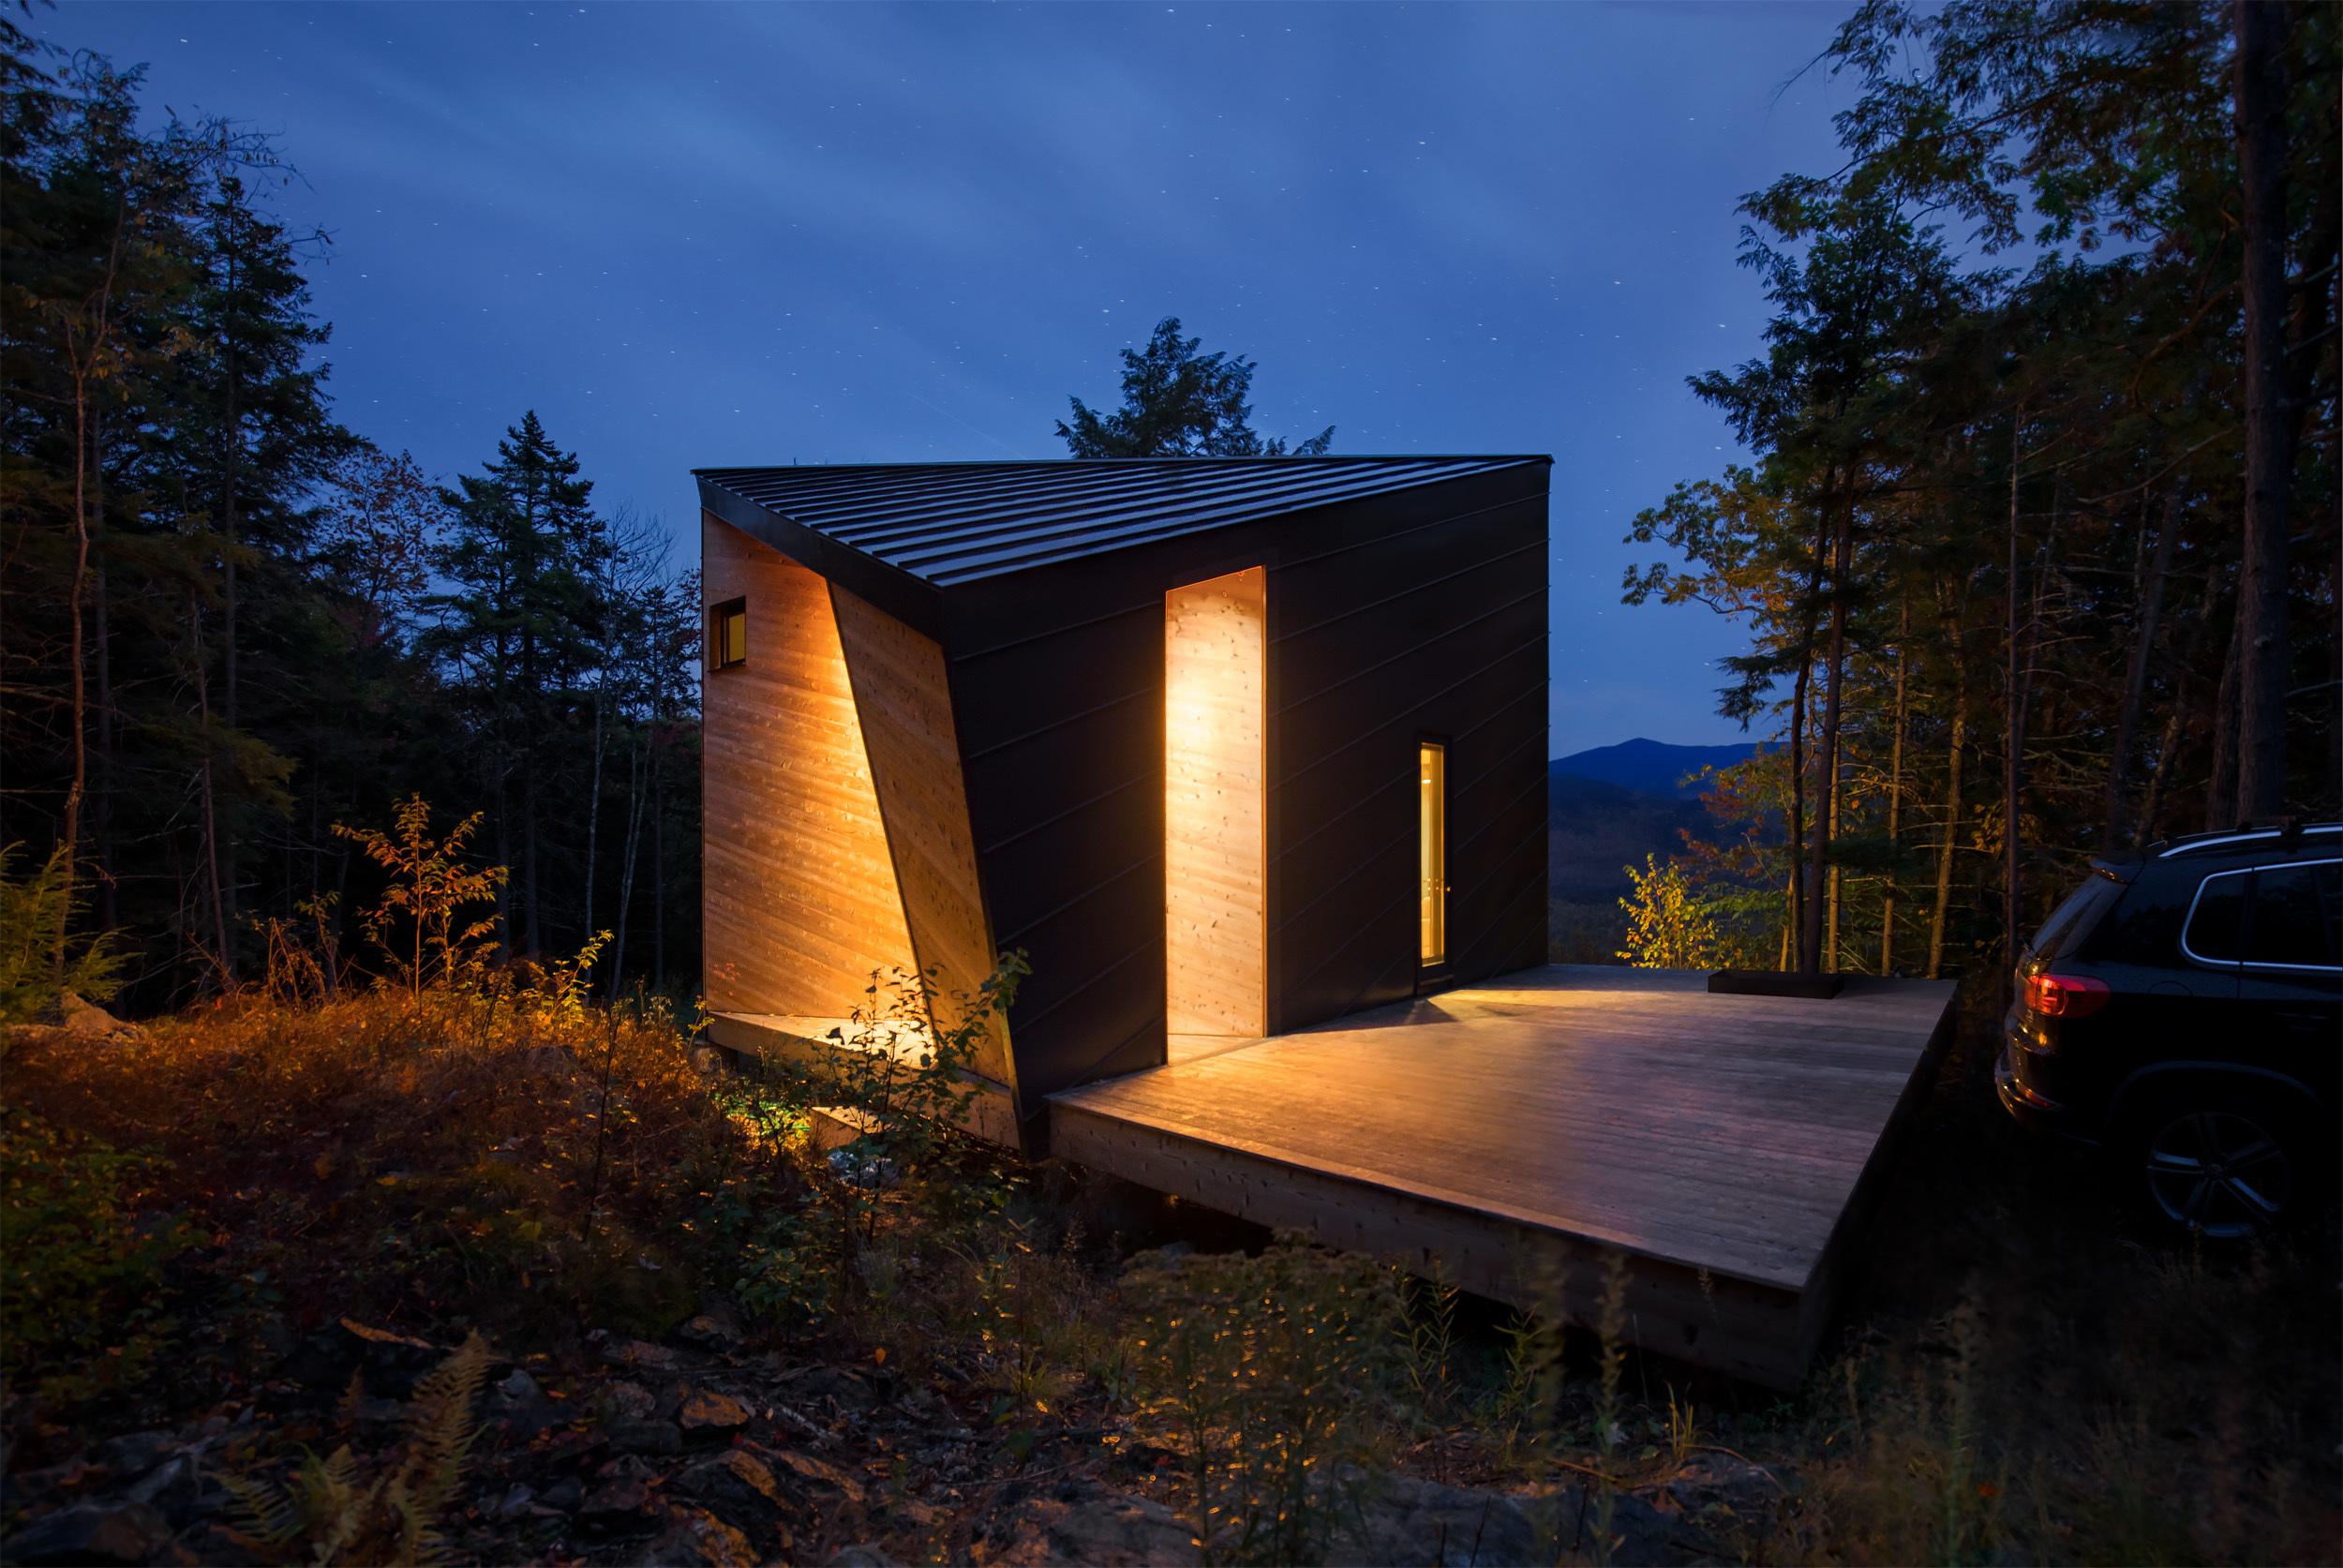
x=2226, y=1168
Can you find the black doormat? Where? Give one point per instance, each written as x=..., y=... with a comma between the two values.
x=1773, y=982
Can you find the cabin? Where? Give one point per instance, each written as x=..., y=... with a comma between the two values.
x=1190, y=733
x=1248, y=756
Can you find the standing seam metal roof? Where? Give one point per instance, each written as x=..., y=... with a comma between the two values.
x=955, y=522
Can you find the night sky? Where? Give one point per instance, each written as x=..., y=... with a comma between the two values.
x=698, y=234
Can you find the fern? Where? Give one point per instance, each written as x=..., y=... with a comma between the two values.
x=32, y=913
x=327, y=1517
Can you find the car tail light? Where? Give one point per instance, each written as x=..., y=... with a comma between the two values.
x=2065, y=995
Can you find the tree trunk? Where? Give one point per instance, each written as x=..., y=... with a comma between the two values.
x=2220, y=803
x=626, y=875
x=231, y=466
x=2185, y=689
x=2013, y=738
x=593, y=801
x=101, y=798
x=2151, y=598
x=1797, y=925
x=1895, y=799
x=658, y=858
x=1952, y=808
x=1835, y=877
x=530, y=899
x=1825, y=817
x=2262, y=600
x=70, y=839
x=209, y=801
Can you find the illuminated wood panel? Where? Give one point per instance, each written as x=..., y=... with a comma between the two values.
x=906, y=706
x=1214, y=817
x=800, y=902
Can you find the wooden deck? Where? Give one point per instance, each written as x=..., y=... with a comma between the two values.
x=1527, y=1131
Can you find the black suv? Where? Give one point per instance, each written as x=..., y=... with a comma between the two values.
x=2183, y=1009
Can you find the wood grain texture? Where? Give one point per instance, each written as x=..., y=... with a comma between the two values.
x=1622, y=1110
x=1214, y=808
x=800, y=901
x=902, y=698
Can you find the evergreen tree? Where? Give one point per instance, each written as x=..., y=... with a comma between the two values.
x=1178, y=403
x=517, y=632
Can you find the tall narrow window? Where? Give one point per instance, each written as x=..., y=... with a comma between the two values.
x=1431, y=771
x=728, y=632
x=1215, y=874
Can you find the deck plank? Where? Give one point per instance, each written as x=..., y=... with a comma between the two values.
x=1627, y=1109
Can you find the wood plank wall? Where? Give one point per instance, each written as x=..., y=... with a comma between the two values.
x=1215, y=814
x=903, y=698
x=800, y=902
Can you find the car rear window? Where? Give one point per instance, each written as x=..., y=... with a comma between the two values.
x=2296, y=911
x=2072, y=920
x=2213, y=922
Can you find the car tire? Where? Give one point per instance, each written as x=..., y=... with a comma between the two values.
x=2222, y=1163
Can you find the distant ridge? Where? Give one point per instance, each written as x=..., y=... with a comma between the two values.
x=1650, y=767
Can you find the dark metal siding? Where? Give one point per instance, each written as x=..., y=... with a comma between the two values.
x=1391, y=616
x=1432, y=622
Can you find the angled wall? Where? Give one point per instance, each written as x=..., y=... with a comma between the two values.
x=903, y=696
x=800, y=902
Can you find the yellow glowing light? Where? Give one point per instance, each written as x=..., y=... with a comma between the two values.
x=1432, y=841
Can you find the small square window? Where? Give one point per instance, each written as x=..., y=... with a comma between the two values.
x=728, y=632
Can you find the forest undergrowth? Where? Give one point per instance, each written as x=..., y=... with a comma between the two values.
x=2021, y=1377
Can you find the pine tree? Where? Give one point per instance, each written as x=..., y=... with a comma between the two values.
x=517, y=633
x=1178, y=403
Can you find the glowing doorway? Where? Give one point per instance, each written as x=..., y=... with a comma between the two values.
x=1216, y=869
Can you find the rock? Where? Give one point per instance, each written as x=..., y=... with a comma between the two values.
x=76, y=1016
x=1412, y=1523
x=380, y=1413
x=616, y=1504
x=862, y=1554
x=638, y=1355
x=694, y=1535
x=625, y=1401
x=174, y=1491
x=1709, y=1480
x=389, y=1362
x=822, y=1474
x=134, y=1454
x=710, y=1332
x=32, y=1488
x=99, y=1532
x=741, y=1490
x=646, y=1437
x=843, y=1389
x=213, y=1546
x=1641, y=1535
x=707, y=1417
x=1111, y=1530
x=565, y=1494
x=520, y=1388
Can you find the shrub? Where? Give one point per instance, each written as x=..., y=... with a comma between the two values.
x=1271, y=1372
x=1667, y=927
x=79, y=1277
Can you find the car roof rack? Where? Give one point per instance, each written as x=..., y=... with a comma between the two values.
x=2287, y=830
